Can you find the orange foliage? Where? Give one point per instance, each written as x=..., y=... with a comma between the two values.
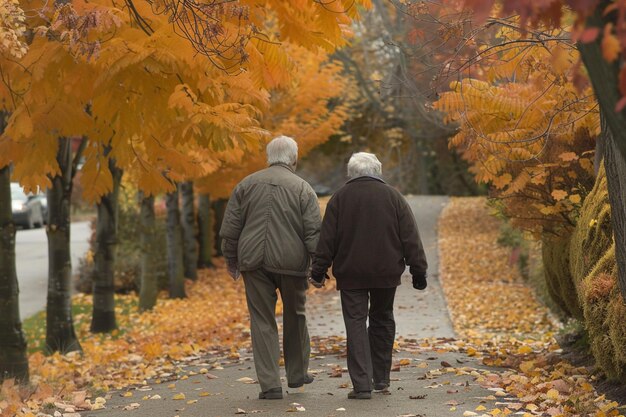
x=310, y=109
x=213, y=319
x=527, y=131
x=166, y=113
x=608, y=25
x=12, y=29
x=598, y=288
x=499, y=318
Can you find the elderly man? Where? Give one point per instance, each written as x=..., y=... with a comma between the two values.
x=270, y=230
x=369, y=235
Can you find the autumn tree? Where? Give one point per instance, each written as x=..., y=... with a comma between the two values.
x=600, y=34
x=188, y=224
x=148, y=287
x=103, y=317
x=205, y=221
x=13, y=358
x=527, y=131
x=148, y=99
x=311, y=109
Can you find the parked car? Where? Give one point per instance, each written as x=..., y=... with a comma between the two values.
x=27, y=210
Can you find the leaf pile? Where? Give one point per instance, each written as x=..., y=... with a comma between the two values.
x=152, y=345
x=499, y=318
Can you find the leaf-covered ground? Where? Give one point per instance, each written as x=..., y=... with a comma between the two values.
x=499, y=318
x=496, y=316
x=212, y=320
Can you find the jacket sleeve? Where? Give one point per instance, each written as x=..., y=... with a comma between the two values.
x=325, y=251
x=414, y=255
x=311, y=218
x=232, y=225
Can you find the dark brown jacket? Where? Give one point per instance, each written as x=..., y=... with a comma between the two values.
x=369, y=235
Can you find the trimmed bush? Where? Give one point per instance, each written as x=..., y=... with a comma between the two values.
x=593, y=267
x=526, y=252
x=559, y=281
x=593, y=235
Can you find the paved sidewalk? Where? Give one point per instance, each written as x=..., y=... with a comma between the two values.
x=419, y=314
x=427, y=382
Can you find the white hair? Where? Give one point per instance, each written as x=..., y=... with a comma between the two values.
x=363, y=163
x=282, y=150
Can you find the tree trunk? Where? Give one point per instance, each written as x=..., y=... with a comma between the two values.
x=60, y=334
x=599, y=151
x=219, y=207
x=188, y=222
x=149, y=288
x=103, y=317
x=206, y=237
x=13, y=357
x=174, y=247
x=604, y=78
x=615, y=167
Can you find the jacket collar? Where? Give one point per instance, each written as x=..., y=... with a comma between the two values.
x=366, y=177
x=280, y=164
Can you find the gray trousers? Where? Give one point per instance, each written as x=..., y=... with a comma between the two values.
x=261, y=296
x=369, y=348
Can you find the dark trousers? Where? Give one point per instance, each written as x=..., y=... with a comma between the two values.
x=261, y=296
x=369, y=348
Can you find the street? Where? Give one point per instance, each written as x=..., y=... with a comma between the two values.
x=31, y=249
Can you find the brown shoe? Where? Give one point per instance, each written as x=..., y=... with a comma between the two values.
x=360, y=395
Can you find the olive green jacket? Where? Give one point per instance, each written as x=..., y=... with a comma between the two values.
x=272, y=221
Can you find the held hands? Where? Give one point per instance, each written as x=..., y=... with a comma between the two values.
x=419, y=282
x=233, y=269
x=316, y=282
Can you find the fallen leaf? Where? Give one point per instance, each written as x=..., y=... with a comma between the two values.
x=131, y=406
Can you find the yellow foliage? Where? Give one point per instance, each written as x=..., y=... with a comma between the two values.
x=527, y=131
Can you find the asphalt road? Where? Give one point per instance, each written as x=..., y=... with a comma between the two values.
x=31, y=249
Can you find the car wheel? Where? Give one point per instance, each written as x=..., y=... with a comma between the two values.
x=30, y=223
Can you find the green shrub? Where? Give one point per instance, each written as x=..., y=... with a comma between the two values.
x=593, y=267
x=559, y=282
x=128, y=251
x=536, y=277
x=593, y=235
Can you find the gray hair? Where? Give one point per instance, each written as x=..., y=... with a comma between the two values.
x=363, y=163
x=282, y=150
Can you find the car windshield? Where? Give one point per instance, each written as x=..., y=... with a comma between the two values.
x=17, y=193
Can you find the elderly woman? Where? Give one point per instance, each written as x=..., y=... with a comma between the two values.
x=369, y=235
